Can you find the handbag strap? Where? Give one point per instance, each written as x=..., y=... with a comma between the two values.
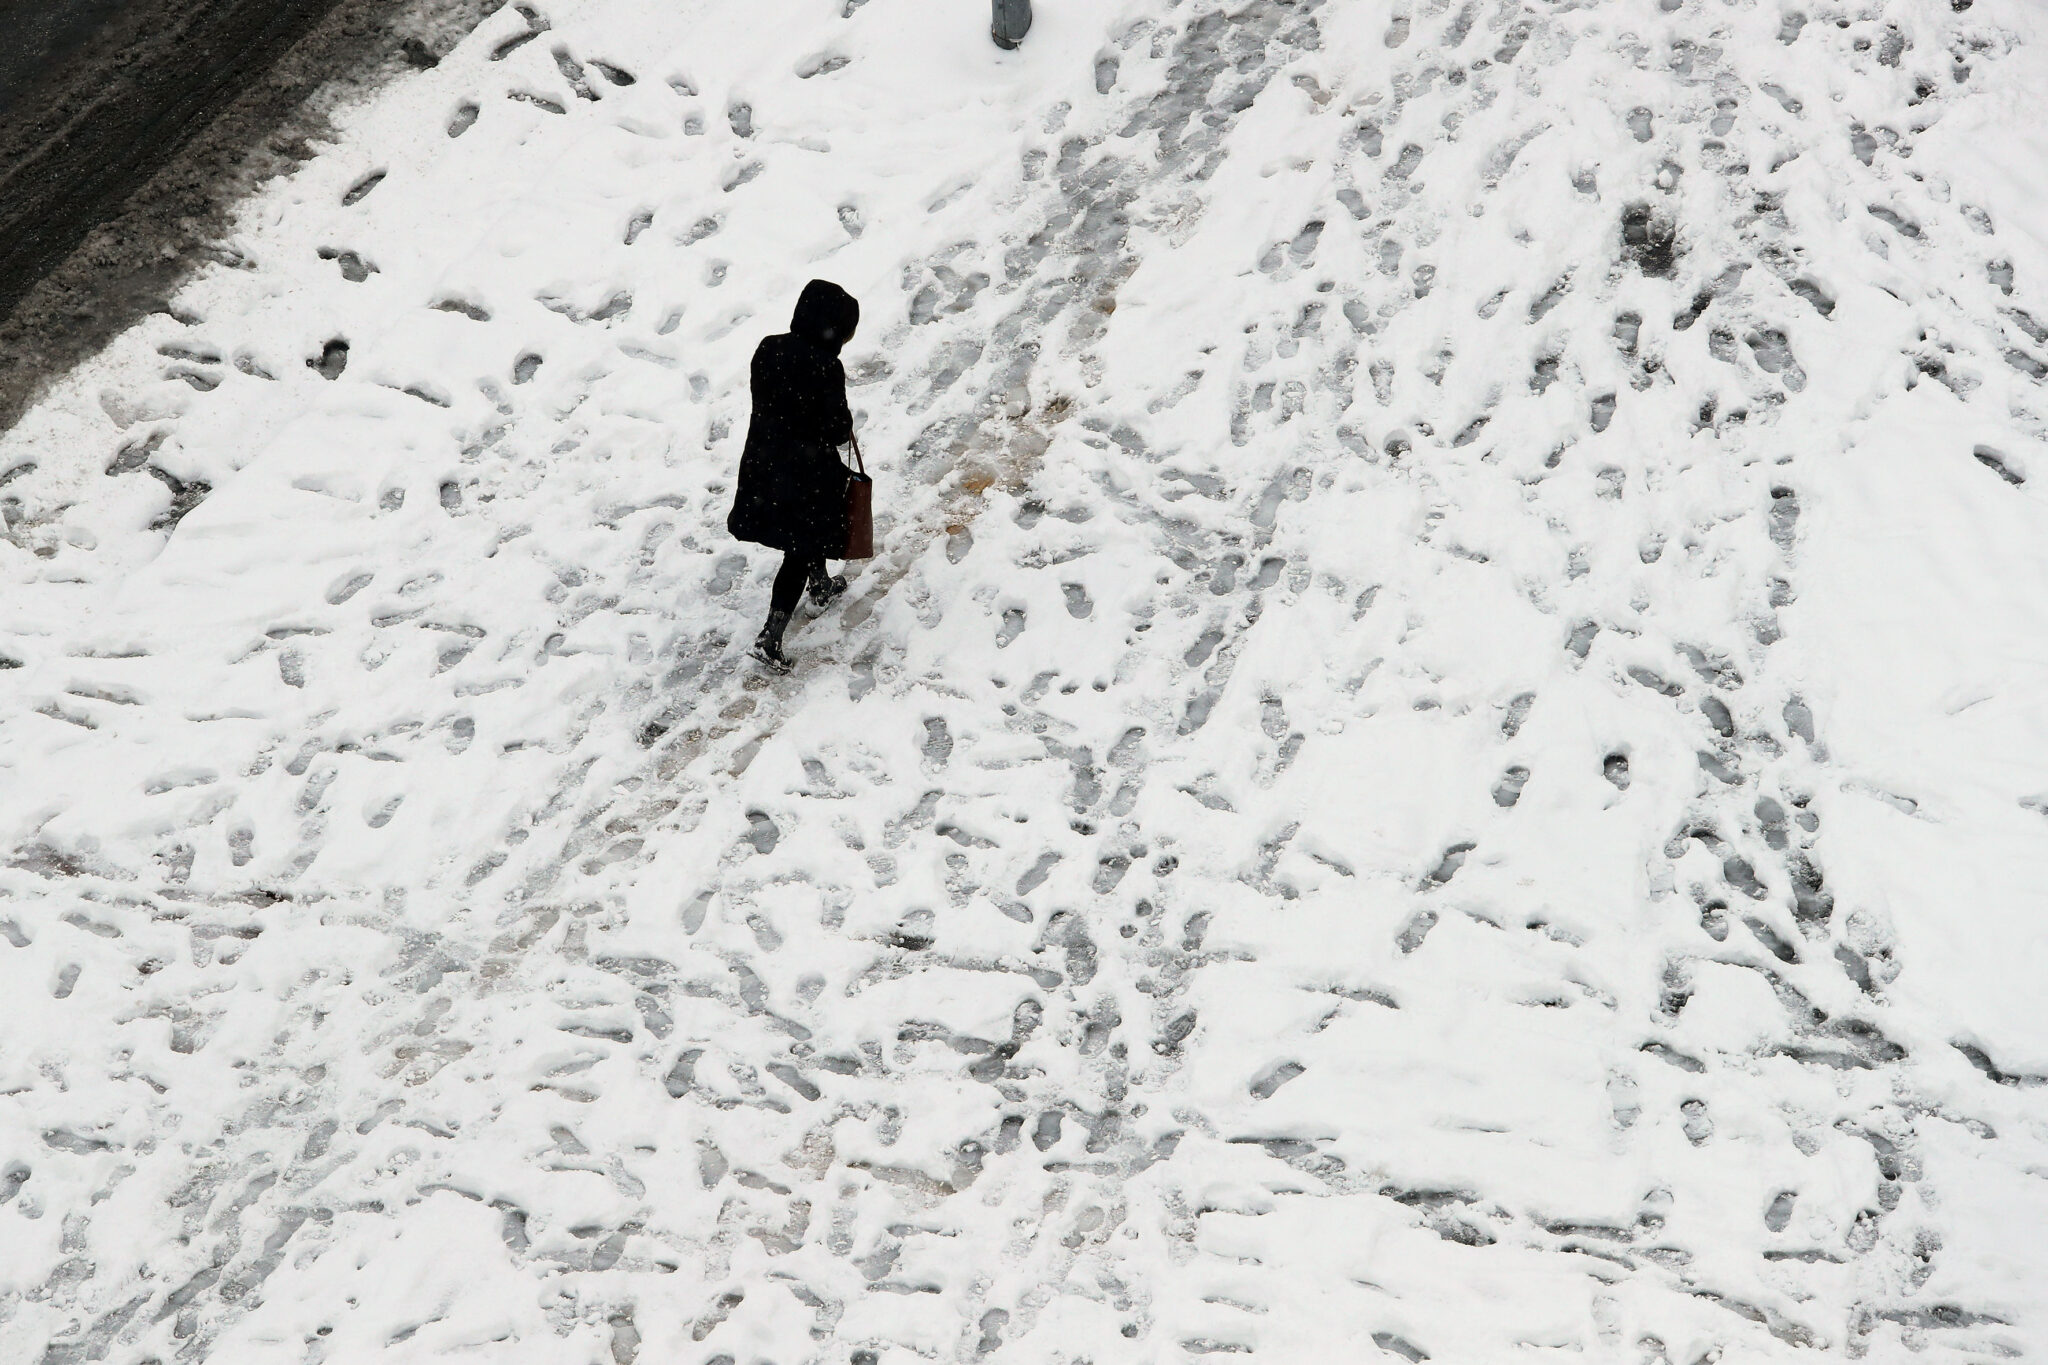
x=857, y=459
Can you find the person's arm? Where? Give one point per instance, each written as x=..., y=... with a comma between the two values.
x=838, y=416
x=761, y=382
x=818, y=403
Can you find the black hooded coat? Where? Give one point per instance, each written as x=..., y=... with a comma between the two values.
x=792, y=485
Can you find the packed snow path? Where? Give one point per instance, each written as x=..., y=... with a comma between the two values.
x=1445, y=758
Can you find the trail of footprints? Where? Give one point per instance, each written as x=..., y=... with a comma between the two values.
x=1075, y=912
x=1818, y=1038
x=1746, y=856
x=429, y=963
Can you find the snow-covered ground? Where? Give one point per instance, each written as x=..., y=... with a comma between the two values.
x=1446, y=757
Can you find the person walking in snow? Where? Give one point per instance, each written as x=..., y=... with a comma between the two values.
x=792, y=485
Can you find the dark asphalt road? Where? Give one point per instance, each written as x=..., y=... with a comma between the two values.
x=37, y=36
x=120, y=88
x=129, y=127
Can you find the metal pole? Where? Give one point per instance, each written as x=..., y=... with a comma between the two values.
x=1012, y=22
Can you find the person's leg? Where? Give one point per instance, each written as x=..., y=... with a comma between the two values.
x=789, y=583
x=825, y=586
x=782, y=599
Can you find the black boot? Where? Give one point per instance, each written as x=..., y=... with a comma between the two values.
x=826, y=588
x=768, y=644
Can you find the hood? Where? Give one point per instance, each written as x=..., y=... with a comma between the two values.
x=825, y=314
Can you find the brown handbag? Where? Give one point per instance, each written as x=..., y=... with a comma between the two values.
x=860, y=510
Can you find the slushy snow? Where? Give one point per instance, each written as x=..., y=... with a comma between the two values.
x=1445, y=756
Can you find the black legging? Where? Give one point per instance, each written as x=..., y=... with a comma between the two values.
x=797, y=569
